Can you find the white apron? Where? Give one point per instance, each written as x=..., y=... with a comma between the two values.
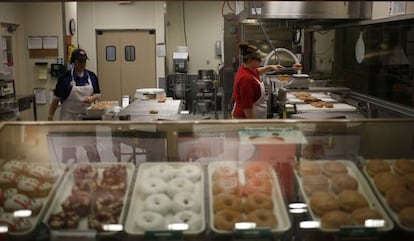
x=259, y=108
x=73, y=106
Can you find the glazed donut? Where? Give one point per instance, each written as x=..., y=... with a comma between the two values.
x=150, y=221
x=404, y=166
x=153, y=185
x=225, y=170
x=228, y=185
x=375, y=166
x=333, y=167
x=97, y=220
x=226, y=201
x=225, y=219
x=262, y=218
x=258, y=201
x=179, y=184
x=158, y=202
x=85, y=172
x=263, y=185
x=64, y=220
x=257, y=170
x=189, y=217
x=108, y=203
x=185, y=201
x=190, y=171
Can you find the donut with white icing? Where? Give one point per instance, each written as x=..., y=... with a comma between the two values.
x=185, y=201
x=16, y=166
x=190, y=171
x=150, y=221
x=179, y=184
x=8, y=179
x=42, y=173
x=152, y=185
x=158, y=202
x=21, y=201
x=33, y=187
x=189, y=217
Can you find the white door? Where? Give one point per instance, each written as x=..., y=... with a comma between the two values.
x=126, y=61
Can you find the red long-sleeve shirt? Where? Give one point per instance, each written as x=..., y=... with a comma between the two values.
x=246, y=90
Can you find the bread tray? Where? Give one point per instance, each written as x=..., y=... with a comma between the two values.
x=279, y=209
x=59, y=170
x=145, y=171
x=363, y=188
x=382, y=198
x=66, y=189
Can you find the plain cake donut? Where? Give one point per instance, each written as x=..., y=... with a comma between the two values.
x=262, y=218
x=228, y=185
x=258, y=201
x=148, y=220
x=189, y=217
x=158, y=202
x=227, y=201
x=225, y=219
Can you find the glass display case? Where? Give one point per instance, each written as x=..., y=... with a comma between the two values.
x=333, y=179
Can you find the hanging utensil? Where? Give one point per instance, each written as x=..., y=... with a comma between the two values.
x=360, y=48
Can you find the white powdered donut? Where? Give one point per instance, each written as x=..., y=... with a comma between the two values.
x=190, y=171
x=159, y=169
x=179, y=184
x=150, y=221
x=189, y=217
x=153, y=185
x=158, y=202
x=185, y=201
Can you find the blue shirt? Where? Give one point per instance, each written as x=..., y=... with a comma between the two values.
x=64, y=87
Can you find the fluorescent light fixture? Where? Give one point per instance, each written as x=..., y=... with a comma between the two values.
x=374, y=223
x=298, y=210
x=178, y=226
x=309, y=224
x=4, y=229
x=297, y=205
x=22, y=213
x=112, y=227
x=245, y=225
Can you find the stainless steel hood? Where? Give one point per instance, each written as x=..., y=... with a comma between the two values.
x=305, y=10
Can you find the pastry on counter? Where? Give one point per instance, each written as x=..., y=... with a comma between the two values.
x=323, y=202
x=404, y=166
x=385, y=181
x=343, y=181
x=349, y=200
x=335, y=219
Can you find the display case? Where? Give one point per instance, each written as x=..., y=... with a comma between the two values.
x=334, y=179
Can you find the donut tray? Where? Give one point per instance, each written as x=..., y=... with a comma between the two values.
x=363, y=188
x=59, y=170
x=381, y=197
x=279, y=207
x=139, y=195
x=66, y=189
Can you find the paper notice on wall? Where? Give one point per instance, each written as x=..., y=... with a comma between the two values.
x=40, y=94
x=397, y=7
x=42, y=73
x=34, y=43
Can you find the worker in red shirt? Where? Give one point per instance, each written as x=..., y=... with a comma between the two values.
x=248, y=88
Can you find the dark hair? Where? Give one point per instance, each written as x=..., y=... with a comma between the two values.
x=78, y=54
x=250, y=52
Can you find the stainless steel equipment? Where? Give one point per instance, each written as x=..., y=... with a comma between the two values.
x=206, y=96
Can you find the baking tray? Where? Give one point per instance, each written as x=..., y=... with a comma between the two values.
x=59, y=170
x=138, y=197
x=363, y=188
x=66, y=189
x=291, y=98
x=279, y=209
x=381, y=197
x=336, y=107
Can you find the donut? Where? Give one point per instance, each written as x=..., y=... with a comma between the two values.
x=328, y=105
x=152, y=185
x=360, y=215
x=8, y=179
x=349, y=200
x=114, y=185
x=399, y=198
x=317, y=104
x=228, y=185
x=309, y=168
x=409, y=180
x=314, y=183
x=185, y=201
x=80, y=204
x=108, y=203
x=98, y=220
x=189, y=217
x=406, y=217
x=330, y=168
x=15, y=166
x=375, y=166
x=253, y=185
x=257, y=170
x=385, y=181
x=33, y=187
x=42, y=173
x=323, y=202
x=225, y=170
x=262, y=218
x=10, y=192
x=179, y=184
x=403, y=166
x=84, y=171
x=118, y=172
x=335, y=219
x=85, y=187
x=14, y=224
x=190, y=171
x=63, y=220
x=225, y=219
x=158, y=202
x=163, y=170
x=226, y=201
x=150, y=221
x=258, y=201
x=21, y=201
x=343, y=181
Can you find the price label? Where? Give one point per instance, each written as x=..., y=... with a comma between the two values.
x=252, y=235
x=170, y=235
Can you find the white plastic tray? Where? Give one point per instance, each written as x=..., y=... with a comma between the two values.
x=66, y=189
x=382, y=198
x=59, y=170
x=137, y=199
x=336, y=107
x=363, y=188
x=279, y=209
